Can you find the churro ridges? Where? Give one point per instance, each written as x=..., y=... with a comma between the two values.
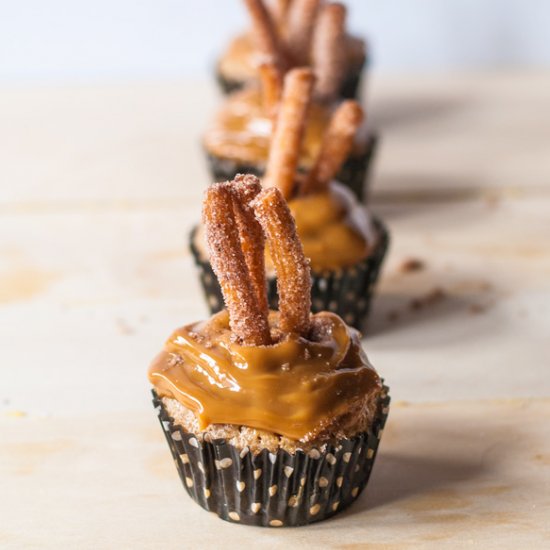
x=289, y=129
x=336, y=146
x=301, y=21
x=248, y=320
x=329, y=54
x=271, y=86
x=245, y=188
x=265, y=32
x=291, y=266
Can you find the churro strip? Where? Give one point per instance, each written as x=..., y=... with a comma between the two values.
x=265, y=32
x=291, y=266
x=247, y=320
x=286, y=142
x=336, y=146
x=329, y=53
x=245, y=188
x=271, y=82
x=302, y=16
x=279, y=10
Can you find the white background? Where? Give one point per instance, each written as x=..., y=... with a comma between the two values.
x=75, y=40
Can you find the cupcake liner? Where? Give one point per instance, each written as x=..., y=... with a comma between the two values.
x=273, y=489
x=346, y=292
x=350, y=89
x=354, y=173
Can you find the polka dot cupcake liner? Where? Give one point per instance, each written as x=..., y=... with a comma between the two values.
x=346, y=292
x=354, y=173
x=273, y=489
x=349, y=90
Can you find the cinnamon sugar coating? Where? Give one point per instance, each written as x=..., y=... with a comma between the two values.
x=337, y=144
x=289, y=130
x=329, y=55
x=302, y=17
x=291, y=266
x=248, y=319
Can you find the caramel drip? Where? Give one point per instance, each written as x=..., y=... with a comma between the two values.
x=295, y=387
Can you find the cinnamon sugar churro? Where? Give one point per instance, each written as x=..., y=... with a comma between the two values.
x=271, y=84
x=279, y=10
x=329, y=55
x=245, y=188
x=302, y=17
x=291, y=266
x=248, y=319
x=289, y=130
x=265, y=32
x=336, y=146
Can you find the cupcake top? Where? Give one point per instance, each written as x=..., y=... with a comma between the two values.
x=292, y=34
x=300, y=376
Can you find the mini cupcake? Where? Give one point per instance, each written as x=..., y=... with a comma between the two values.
x=273, y=418
x=294, y=34
x=345, y=246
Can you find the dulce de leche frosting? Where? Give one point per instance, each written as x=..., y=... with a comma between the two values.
x=242, y=131
x=297, y=387
x=334, y=229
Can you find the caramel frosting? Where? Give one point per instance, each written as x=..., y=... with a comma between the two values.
x=334, y=229
x=297, y=387
x=241, y=59
x=242, y=131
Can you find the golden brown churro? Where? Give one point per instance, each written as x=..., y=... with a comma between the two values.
x=336, y=146
x=265, y=32
x=279, y=10
x=291, y=266
x=249, y=322
x=271, y=82
x=329, y=54
x=289, y=129
x=245, y=188
x=302, y=17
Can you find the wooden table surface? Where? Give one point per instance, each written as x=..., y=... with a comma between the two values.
x=99, y=186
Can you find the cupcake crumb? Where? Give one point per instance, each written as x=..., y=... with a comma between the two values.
x=410, y=265
x=433, y=297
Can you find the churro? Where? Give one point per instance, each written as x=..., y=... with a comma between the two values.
x=291, y=266
x=289, y=130
x=336, y=146
x=271, y=83
x=329, y=54
x=301, y=21
x=265, y=32
x=279, y=10
x=245, y=188
x=248, y=320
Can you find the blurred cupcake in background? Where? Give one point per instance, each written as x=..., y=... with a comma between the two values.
x=296, y=33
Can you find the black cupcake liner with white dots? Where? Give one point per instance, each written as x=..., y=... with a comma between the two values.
x=350, y=88
x=347, y=292
x=273, y=489
x=354, y=173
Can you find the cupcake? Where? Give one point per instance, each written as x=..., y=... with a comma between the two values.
x=344, y=244
x=273, y=418
x=297, y=33
x=239, y=139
